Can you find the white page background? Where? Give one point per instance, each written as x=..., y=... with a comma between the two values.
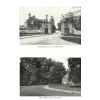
x=11, y=51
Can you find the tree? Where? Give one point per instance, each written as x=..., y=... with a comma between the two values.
x=52, y=22
x=27, y=71
x=74, y=65
x=40, y=63
x=71, y=18
x=57, y=71
x=77, y=22
x=40, y=71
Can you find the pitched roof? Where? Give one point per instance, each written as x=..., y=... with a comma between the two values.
x=41, y=20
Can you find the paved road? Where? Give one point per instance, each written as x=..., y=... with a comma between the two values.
x=65, y=90
x=45, y=40
x=40, y=90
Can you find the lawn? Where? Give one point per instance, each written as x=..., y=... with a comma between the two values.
x=75, y=39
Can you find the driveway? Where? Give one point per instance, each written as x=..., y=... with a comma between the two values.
x=44, y=90
x=53, y=39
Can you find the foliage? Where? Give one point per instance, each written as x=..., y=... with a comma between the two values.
x=70, y=18
x=40, y=71
x=74, y=65
x=56, y=73
x=75, y=20
x=77, y=23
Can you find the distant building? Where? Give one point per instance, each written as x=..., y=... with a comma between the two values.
x=33, y=23
x=65, y=79
x=68, y=23
x=66, y=27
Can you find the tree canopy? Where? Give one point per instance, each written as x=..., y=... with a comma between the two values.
x=75, y=20
x=74, y=65
x=40, y=71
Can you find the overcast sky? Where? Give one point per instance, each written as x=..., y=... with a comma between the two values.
x=40, y=12
x=61, y=59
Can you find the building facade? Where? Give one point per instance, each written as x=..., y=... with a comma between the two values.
x=43, y=25
x=66, y=27
x=71, y=23
x=65, y=79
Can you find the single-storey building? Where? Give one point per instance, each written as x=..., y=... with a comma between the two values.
x=71, y=23
x=65, y=81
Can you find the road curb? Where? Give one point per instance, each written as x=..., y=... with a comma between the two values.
x=67, y=91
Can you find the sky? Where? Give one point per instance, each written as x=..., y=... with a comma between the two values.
x=61, y=59
x=40, y=12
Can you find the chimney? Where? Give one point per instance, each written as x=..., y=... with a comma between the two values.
x=47, y=17
x=29, y=15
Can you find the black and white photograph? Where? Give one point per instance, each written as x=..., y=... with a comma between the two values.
x=50, y=76
x=44, y=43
x=50, y=25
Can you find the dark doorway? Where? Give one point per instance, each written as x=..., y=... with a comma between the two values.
x=67, y=30
x=46, y=30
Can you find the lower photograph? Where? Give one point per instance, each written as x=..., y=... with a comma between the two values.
x=50, y=76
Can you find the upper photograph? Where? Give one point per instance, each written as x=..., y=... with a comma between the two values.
x=50, y=25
